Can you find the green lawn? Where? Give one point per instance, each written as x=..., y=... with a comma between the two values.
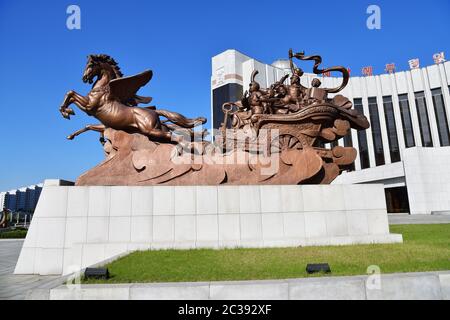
x=14, y=234
x=425, y=248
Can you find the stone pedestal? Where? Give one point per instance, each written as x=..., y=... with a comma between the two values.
x=76, y=227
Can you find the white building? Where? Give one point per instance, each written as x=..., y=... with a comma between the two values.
x=22, y=199
x=407, y=147
x=3, y=196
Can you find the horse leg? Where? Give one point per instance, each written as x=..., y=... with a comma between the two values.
x=148, y=123
x=72, y=97
x=80, y=101
x=155, y=133
x=94, y=127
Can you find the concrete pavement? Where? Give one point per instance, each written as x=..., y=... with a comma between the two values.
x=16, y=287
x=404, y=218
x=396, y=286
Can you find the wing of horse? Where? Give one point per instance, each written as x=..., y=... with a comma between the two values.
x=124, y=89
x=143, y=100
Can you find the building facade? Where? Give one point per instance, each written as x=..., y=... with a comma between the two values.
x=24, y=199
x=406, y=148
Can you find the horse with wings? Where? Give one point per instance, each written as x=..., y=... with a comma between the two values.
x=113, y=101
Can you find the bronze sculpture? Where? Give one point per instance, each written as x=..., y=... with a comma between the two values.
x=4, y=220
x=113, y=101
x=271, y=136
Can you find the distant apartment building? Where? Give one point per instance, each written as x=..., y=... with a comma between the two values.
x=23, y=199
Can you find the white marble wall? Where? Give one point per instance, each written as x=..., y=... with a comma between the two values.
x=75, y=227
x=396, y=286
x=427, y=173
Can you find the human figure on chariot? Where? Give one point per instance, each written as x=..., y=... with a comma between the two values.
x=293, y=93
x=277, y=93
x=315, y=94
x=259, y=100
x=290, y=97
x=278, y=89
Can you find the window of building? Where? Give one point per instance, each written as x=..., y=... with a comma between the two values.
x=319, y=144
x=362, y=138
x=334, y=144
x=397, y=200
x=424, y=123
x=348, y=142
x=408, y=132
x=441, y=117
x=376, y=131
x=394, y=149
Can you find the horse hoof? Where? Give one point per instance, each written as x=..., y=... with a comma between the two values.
x=65, y=115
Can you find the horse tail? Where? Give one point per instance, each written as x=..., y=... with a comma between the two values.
x=181, y=120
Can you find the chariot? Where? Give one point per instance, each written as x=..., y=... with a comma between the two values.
x=312, y=126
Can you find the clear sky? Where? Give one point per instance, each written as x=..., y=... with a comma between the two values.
x=40, y=59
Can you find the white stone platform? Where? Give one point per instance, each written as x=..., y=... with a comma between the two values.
x=76, y=227
x=395, y=286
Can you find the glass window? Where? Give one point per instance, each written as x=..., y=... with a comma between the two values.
x=424, y=123
x=441, y=117
x=362, y=138
x=376, y=131
x=319, y=144
x=348, y=142
x=397, y=200
x=394, y=149
x=408, y=132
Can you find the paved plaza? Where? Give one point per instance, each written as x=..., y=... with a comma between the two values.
x=404, y=218
x=16, y=287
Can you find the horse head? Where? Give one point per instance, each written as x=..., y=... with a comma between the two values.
x=96, y=63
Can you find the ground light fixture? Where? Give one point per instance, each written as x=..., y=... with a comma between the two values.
x=96, y=273
x=318, y=267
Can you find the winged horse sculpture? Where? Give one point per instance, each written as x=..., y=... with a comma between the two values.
x=113, y=101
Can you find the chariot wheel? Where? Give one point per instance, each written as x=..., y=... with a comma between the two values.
x=285, y=142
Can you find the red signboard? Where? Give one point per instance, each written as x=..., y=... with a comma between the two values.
x=390, y=68
x=367, y=71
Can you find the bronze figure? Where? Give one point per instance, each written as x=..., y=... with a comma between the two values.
x=277, y=136
x=4, y=220
x=113, y=101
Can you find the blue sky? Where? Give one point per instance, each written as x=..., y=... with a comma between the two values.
x=40, y=59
